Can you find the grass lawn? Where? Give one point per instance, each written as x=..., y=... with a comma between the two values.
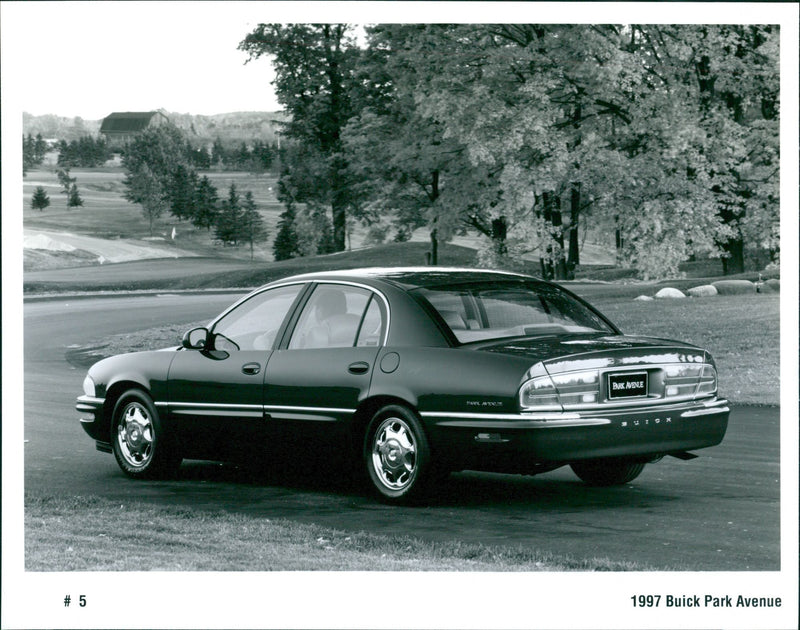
x=80, y=534
x=742, y=332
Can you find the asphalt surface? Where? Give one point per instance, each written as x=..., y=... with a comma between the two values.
x=717, y=512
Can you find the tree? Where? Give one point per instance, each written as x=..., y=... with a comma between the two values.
x=229, y=219
x=33, y=152
x=205, y=202
x=154, y=161
x=314, y=66
x=285, y=245
x=147, y=189
x=40, y=200
x=69, y=186
x=253, y=229
x=183, y=186
x=218, y=153
x=74, y=199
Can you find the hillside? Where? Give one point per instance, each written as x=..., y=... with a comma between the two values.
x=231, y=127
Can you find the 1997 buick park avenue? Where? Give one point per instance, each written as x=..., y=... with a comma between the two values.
x=411, y=374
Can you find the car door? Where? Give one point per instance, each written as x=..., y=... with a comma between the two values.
x=216, y=394
x=322, y=370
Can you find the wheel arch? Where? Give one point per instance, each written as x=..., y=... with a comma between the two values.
x=365, y=412
x=113, y=394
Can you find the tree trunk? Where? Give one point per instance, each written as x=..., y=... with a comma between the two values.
x=433, y=196
x=552, y=214
x=574, y=215
x=499, y=236
x=734, y=262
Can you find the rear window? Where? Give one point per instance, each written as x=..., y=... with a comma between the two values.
x=482, y=311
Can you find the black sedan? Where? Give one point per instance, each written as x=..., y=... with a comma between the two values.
x=411, y=373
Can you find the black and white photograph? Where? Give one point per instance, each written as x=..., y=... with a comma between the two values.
x=399, y=314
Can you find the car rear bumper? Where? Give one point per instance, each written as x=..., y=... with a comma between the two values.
x=92, y=420
x=527, y=439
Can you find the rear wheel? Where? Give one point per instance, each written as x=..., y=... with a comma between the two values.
x=607, y=472
x=397, y=454
x=137, y=438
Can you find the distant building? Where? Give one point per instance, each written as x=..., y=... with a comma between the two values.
x=120, y=127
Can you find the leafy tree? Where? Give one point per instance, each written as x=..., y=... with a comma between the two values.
x=314, y=65
x=40, y=200
x=156, y=169
x=148, y=190
x=252, y=229
x=312, y=228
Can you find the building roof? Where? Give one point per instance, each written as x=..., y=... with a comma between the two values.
x=127, y=122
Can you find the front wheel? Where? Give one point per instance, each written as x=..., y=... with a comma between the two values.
x=137, y=438
x=607, y=472
x=397, y=454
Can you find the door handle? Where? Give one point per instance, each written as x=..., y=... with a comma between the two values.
x=359, y=367
x=251, y=368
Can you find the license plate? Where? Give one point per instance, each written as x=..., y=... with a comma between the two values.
x=627, y=385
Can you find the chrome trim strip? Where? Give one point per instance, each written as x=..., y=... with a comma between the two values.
x=231, y=413
x=291, y=408
x=287, y=412
x=194, y=405
x=526, y=424
x=545, y=417
x=707, y=411
x=91, y=400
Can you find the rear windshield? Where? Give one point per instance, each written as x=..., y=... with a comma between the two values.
x=482, y=311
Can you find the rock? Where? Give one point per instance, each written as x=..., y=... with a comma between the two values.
x=669, y=292
x=734, y=287
x=643, y=298
x=774, y=284
x=706, y=290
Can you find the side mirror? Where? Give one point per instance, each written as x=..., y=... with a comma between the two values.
x=195, y=339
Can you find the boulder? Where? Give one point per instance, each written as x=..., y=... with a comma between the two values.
x=643, y=298
x=773, y=285
x=669, y=292
x=705, y=290
x=734, y=287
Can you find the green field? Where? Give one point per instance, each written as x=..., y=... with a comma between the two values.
x=106, y=214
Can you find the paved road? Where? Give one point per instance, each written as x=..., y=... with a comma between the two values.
x=718, y=512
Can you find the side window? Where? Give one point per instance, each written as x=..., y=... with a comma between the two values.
x=254, y=324
x=372, y=326
x=330, y=318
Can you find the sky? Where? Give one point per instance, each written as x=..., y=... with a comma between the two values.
x=89, y=59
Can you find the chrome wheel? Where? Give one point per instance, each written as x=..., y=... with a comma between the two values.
x=135, y=435
x=141, y=447
x=394, y=454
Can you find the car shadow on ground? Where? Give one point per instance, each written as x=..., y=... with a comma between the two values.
x=466, y=489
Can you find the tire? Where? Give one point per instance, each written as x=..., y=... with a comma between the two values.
x=397, y=455
x=137, y=438
x=607, y=472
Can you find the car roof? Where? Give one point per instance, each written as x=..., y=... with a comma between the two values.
x=414, y=277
